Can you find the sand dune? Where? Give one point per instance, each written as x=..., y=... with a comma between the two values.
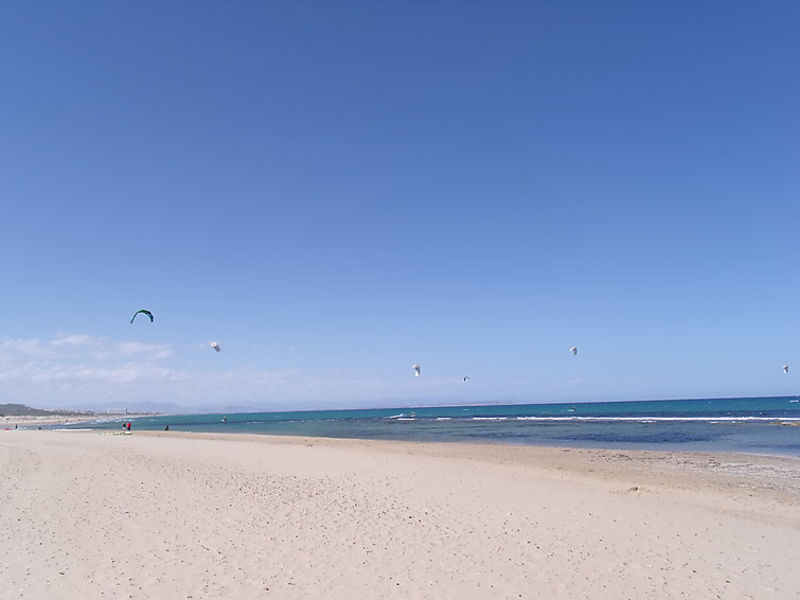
x=169, y=515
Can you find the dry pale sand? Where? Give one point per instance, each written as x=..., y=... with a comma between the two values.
x=168, y=515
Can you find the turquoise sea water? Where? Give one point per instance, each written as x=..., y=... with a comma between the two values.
x=746, y=425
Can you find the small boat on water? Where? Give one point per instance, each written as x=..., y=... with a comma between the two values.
x=403, y=417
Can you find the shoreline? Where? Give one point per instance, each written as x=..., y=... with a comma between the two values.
x=557, y=446
x=738, y=425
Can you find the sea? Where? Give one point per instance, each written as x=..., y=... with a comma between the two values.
x=768, y=426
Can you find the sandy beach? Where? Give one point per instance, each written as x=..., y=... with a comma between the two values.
x=169, y=515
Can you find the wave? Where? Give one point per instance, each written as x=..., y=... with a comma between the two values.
x=71, y=429
x=608, y=419
x=659, y=419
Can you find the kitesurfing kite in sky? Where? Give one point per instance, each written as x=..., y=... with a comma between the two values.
x=144, y=312
x=574, y=350
x=416, y=370
x=215, y=346
x=785, y=368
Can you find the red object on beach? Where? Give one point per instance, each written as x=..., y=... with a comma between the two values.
x=128, y=425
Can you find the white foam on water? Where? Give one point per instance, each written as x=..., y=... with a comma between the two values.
x=660, y=419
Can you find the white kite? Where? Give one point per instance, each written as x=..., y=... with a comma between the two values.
x=785, y=368
x=215, y=346
x=416, y=370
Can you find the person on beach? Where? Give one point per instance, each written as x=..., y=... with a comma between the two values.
x=166, y=428
x=128, y=425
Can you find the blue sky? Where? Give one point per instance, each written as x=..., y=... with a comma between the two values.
x=338, y=190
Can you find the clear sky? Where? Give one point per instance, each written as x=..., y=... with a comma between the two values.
x=335, y=191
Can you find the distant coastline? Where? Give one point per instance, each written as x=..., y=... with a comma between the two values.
x=21, y=415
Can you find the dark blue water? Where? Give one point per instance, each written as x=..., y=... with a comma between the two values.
x=747, y=425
